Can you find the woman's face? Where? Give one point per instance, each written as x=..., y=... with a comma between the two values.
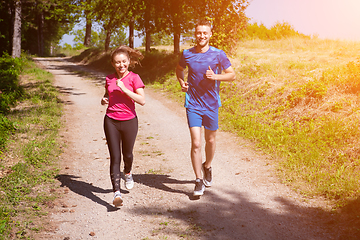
x=121, y=63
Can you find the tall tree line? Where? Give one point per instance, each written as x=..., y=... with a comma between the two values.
x=172, y=17
x=33, y=26
x=43, y=22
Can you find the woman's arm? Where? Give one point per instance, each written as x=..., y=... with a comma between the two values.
x=105, y=98
x=138, y=96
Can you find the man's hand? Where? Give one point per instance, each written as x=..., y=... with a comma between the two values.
x=185, y=87
x=210, y=74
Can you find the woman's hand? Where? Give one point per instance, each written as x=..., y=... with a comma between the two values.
x=104, y=100
x=121, y=85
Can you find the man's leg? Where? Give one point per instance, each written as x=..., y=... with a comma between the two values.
x=210, y=145
x=196, y=159
x=209, y=152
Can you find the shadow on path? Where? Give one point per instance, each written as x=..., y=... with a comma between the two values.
x=159, y=181
x=232, y=215
x=85, y=189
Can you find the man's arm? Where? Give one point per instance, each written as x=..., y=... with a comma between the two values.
x=229, y=75
x=180, y=77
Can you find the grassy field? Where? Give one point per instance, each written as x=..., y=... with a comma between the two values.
x=297, y=99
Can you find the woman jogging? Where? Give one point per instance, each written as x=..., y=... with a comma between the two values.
x=122, y=90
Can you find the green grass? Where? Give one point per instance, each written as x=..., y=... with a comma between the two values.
x=297, y=99
x=35, y=143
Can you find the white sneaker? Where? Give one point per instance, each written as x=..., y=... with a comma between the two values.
x=207, y=175
x=199, y=187
x=129, y=181
x=117, y=201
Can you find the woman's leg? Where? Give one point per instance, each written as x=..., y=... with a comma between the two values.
x=113, y=139
x=129, y=131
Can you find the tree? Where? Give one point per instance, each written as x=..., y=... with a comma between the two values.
x=112, y=14
x=228, y=20
x=177, y=18
x=16, y=46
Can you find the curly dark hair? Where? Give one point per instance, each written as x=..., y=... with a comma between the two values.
x=134, y=55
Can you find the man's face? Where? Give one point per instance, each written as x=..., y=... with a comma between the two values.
x=202, y=35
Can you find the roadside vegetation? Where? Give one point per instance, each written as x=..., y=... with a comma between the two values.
x=30, y=120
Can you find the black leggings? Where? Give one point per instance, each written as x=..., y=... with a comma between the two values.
x=120, y=133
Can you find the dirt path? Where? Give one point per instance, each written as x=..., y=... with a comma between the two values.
x=245, y=202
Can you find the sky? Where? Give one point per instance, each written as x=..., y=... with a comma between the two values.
x=333, y=19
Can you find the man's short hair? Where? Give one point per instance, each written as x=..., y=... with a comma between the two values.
x=203, y=22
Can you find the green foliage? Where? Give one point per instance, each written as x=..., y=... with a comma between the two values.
x=117, y=38
x=4, y=221
x=346, y=78
x=10, y=92
x=157, y=66
x=277, y=31
x=57, y=18
x=6, y=128
x=10, y=69
x=228, y=20
x=160, y=39
x=312, y=90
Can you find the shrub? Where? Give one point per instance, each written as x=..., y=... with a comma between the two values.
x=346, y=78
x=10, y=69
x=6, y=128
x=278, y=31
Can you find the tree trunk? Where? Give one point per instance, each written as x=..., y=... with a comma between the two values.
x=87, y=39
x=107, y=39
x=147, y=30
x=131, y=33
x=41, y=46
x=148, y=41
x=177, y=40
x=16, y=45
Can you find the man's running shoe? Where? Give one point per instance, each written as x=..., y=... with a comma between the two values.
x=117, y=199
x=129, y=181
x=199, y=187
x=207, y=175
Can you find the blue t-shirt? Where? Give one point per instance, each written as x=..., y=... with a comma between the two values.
x=203, y=94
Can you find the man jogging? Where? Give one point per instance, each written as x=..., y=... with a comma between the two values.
x=207, y=66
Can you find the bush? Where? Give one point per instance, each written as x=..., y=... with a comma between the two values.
x=278, y=31
x=6, y=128
x=10, y=89
x=346, y=78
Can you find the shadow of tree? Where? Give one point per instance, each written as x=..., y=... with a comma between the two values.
x=232, y=215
